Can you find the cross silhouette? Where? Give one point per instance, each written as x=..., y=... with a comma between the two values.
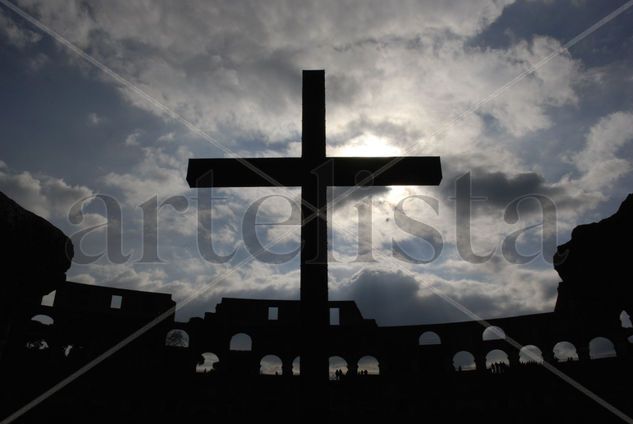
x=314, y=172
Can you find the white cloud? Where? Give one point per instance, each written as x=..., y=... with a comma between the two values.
x=38, y=61
x=599, y=161
x=158, y=174
x=95, y=119
x=523, y=108
x=277, y=23
x=167, y=137
x=47, y=196
x=132, y=139
x=20, y=37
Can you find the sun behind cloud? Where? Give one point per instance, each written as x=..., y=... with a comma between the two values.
x=367, y=145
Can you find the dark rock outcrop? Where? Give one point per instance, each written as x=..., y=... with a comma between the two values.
x=36, y=254
x=596, y=265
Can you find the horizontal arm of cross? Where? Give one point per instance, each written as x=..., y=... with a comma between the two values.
x=386, y=171
x=335, y=171
x=251, y=172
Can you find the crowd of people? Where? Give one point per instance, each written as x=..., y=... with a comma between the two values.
x=339, y=374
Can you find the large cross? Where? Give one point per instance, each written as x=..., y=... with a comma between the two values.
x=314, y=172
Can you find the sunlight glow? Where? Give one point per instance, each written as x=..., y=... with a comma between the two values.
x=367, y=145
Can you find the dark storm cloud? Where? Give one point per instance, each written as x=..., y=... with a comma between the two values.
x=395, y=298
x=500, y=189
x=496, y=191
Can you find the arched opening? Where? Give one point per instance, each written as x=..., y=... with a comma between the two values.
x=565, y=351
x=208, y=363
x=497, y=361
x=49, y=299
x=270, y=365
x=464, y=361
x=625, y=320
x=429, y=338
x=601, y=347
x=177, y=338
x=368, y=365
x=338, y=367
x=530, y=354
x=493, y=333
x=296, y=366
x=43, y=319
x=241, y=342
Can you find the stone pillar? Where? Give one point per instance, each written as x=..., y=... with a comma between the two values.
x=548, y=355
x=286, y=367
x=352, y=367
x=582, y=349
x=514, y=357
x=480, y=362
x=621, y=346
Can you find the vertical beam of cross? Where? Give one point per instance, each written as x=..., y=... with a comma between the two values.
x=314, y=271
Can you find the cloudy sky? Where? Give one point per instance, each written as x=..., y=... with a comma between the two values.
x=103, y=103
